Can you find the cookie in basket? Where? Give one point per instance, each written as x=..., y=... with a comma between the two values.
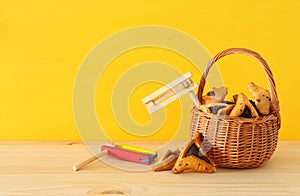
x=243, y=104
x=261, y=98
x=217, y=95
x=217, y=108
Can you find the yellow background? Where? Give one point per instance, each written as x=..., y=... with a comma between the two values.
x=42, y=44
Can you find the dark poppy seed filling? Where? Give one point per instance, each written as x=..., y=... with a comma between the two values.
x=193, y=150
x=215, y=109
x=211, y=93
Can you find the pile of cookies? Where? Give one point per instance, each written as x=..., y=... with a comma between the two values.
x=214, y=102
x=191, y=157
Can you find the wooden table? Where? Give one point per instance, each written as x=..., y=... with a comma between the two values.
x=44, y=168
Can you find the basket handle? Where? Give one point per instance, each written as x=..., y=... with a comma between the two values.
x=264, y=64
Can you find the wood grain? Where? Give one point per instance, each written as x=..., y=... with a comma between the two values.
x=45, y=168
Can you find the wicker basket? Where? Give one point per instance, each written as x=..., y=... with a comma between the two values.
x=237, y=142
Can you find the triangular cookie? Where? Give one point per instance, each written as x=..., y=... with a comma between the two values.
x=242, y=102
x=192, y=157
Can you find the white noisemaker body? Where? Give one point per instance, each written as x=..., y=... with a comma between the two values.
x=172, y=91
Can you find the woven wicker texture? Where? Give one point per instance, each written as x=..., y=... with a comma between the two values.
x=237, y=142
